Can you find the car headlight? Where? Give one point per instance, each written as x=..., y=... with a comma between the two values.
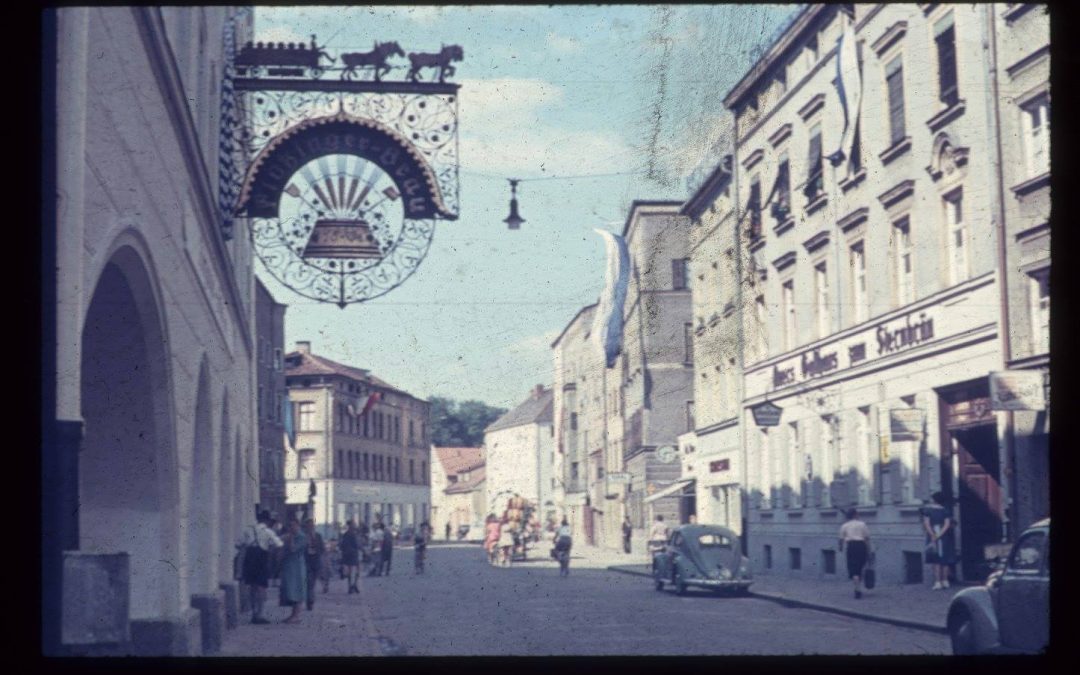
x=725, y=573
x=744, y=567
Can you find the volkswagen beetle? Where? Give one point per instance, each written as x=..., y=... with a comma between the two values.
x=706, y=556
x=1011, y=612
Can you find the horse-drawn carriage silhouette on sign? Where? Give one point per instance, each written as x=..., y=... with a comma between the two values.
x=259, y=59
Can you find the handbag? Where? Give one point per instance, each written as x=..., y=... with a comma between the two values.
x=869, y=576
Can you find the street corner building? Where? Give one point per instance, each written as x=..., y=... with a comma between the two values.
x=519, y=450
x=891, y=185
x=149, y=414
x=458, y=491
x=362, y=446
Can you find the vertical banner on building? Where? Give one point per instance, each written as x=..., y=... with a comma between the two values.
x=848, y=85
x=287, y=420
x=608, y=326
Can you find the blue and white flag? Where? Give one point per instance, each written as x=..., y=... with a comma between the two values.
x=848, y=84
x=608, y=324
x=287, y=419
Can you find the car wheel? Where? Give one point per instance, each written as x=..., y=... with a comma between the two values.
x=962, y=634
x=678, y=583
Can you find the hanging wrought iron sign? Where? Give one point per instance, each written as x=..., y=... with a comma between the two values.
x=346, y=178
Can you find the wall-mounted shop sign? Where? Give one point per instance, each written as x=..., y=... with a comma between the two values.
x=933, y=322
x=969, y=413
x=617, y=477
x=767, y=414
x=719, y=465
x=1017, y=390
x=906, y=424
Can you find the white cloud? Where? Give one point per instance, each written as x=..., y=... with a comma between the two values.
x=510, y=125
x=564, y=44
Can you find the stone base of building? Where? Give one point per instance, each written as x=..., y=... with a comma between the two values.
x=211, y=608
x=231, y=589
x=180, y=636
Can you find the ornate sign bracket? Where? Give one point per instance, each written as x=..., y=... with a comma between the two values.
x=344, y=178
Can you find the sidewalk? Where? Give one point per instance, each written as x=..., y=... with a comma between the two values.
x=910, y=605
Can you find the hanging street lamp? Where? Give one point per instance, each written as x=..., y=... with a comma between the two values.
x=513, y=221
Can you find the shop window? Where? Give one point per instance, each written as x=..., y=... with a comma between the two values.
x=795, y=558
x=767, y=555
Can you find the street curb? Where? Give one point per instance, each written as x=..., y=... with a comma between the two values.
x=789, y=602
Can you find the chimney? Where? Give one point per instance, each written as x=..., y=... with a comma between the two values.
x=303, y=346
x=538, y=391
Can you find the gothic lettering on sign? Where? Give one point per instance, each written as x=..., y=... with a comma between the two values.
x=908, y=335
x=814, y=364
x=782, y=377
x=375, y=145
x=857, y=352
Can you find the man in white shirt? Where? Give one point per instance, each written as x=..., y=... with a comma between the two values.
x=658, y=535
x=257, y=541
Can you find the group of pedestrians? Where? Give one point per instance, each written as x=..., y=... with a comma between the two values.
x=305, y=560
x=940, y=553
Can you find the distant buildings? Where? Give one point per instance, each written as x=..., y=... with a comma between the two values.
x=270, y=399
x=519, y=449
x=361, y=446
x=458, y=491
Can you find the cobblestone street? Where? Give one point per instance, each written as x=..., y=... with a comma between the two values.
x=464, y=607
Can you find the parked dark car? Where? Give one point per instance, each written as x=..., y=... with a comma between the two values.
x=1011, y=612
x=706, y=556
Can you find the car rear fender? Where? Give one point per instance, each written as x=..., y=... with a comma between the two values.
x=980, y=606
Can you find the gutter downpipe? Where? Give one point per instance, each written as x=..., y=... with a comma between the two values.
x=744, y=502
x=1007, y=462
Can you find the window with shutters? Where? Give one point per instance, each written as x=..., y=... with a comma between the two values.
x=903, y=263
x=857, y=264
x=781, y=206
x=1039, y=284
x=821, y=299
x=945, y=42
x=788, y=307
x=894, y=81
x=958, y=243
x=1035, y=122
x=754, y=207
x=814, y=176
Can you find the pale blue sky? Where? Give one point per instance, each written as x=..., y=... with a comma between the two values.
x=556, y=91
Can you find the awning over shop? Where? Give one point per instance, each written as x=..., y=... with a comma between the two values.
x=670, y=490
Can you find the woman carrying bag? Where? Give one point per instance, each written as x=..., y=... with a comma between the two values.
x=855, y=542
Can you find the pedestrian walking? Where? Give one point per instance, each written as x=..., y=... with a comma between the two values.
x=658, y=535
x=387, y=548
x=937, y=521
x=258, y=541
x=448, y=530
x=506, y=542
x=627, y=533
x=350, y=556
x=376, y=545
x=420, y=547
x=491, y=538
x=294, y=571
x=314, y=553
x=855, y=542
x=563, y=544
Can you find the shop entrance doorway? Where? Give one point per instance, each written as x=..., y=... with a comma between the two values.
x=979, y=498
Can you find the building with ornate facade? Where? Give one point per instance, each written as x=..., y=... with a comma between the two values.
x=362, y=446
x=150, y=432
x=878, y=272
x=271, y=394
